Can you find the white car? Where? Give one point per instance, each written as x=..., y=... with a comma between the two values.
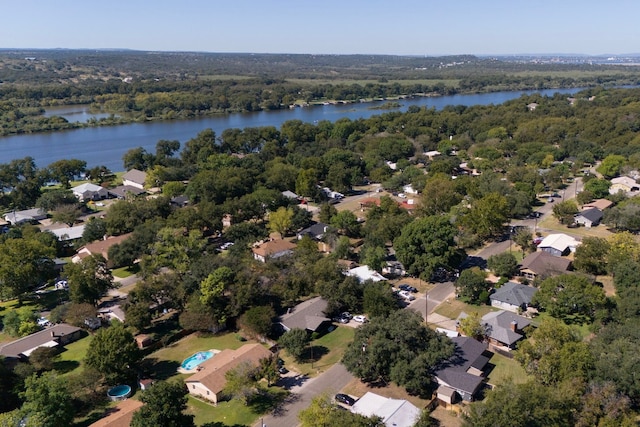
x=360, y=318
x=406, y=295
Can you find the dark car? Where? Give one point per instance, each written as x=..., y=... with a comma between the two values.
x=282, y=370
x=404, y=287
x=344, y=398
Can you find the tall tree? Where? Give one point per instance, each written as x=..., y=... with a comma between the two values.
x=23, y=263
x=570, y=297
x=88, y=279
x=426, y=244
x=280, y=221
x=65, y=170
x=47, y=402
x=164, y=405
x=114, y=353
x=295, y=341
x=591, y=256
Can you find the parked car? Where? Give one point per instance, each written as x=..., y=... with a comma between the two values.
x=360, y=318
x=282, y=370
x=406, y=295
x=345, y=398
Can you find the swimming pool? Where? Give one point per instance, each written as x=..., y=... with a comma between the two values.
x=119, y=392
x=191, y=362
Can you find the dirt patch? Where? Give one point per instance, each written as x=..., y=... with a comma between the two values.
x=446, y=418
x=358, y=389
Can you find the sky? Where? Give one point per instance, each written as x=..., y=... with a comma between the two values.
x=396, y=27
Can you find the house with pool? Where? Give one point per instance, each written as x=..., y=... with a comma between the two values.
x=209, y=380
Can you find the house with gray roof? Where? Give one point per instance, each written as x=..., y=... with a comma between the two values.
x=589, y=217
x=504, y=328
x=88, y=191
x=394, y=412
x=315, y=231
x=512, y=296
x=59, y=334
x=28, y=215
x=309, y=315
x=134, y=178
x=461, y=376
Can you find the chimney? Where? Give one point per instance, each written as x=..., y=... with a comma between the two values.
x=514, y=325
x=53, y=334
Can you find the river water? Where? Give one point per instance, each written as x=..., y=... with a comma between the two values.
x=106, y=145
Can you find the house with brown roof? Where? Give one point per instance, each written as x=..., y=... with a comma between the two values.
x=134, y=178
x=542, y=264
x=601, y=204
x=58, y=334
x=120, y=415
x=210, y=380
x=309, y=315
x=100, y=247
x=272, y=249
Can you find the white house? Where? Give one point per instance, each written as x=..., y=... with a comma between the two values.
x=558, y=244
x=364, y=273
x=134, y=178
x=394, y=412
x=89, y=191
x=29, y=215
x=625, y=184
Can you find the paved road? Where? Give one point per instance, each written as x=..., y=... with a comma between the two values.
x=437, y=295
x=330, y=382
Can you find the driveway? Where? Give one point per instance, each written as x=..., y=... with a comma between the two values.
x=302, y=392
x=440, y=293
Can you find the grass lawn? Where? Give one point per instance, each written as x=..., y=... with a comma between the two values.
x=165, y=361
x=327, y=350
x=124, y=272
x=234, y=413
x=505, y=369
x=70, y=359
x=551, y=223
x=453, y=307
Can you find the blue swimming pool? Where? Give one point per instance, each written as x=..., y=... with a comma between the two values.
x=193, y=361
x=119, y=392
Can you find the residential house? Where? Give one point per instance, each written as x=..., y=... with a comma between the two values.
x=69, y=233
x=408, y=189
x=125, y=191
x=364, y=273
x=290, y=195
x=179, y=201
x=119, y=415
x=512, y=296
x=272, y=249
x=394, y=412
x=309, y=315
x=28, y=215
x=461, y=376
x=558, y=244
x=99, y=247
x=601, y=204
x=394, y=268
x=134, y=178
x=504, y=328
x=88, y=191
x=589, y=217
x=431, y=154
x=315, y=231
x=532, y=106
x=209, y=382
x=541, y=264
x=57, y=335
x=627, y=185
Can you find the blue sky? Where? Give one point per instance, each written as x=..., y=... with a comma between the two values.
x=403, y=27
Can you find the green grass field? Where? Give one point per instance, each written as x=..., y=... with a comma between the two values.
x=454, y=307
x=71, y=358
x=505, y=369
x=328, y=350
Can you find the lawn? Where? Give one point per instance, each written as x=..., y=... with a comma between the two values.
x=505, y=369
x=327, y=350
x=233, y=412
x=453, y=307
x=70, y=359
x=551, y=223
x=165, y=361
x=124, y=272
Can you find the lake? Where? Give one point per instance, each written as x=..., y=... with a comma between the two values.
x=106, y=145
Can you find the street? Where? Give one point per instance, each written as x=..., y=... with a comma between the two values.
x=329, y=382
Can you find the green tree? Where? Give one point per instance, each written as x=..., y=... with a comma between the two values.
x=570, y=297
x=114, y=353
x=327, y=211
x=295, y=341
x=20, y=322
x=427, y=244
x=164, y=405
x=471, y=326
x=214, y=285
x=487, y=216
x=378, y=299
x=257, y=321
x=611, y=165
x=242, y=382
x=524, y=238
x=47, y=402
x=280, y=221
x=94, y=229
x=347, y=223
x=66, y=214
x=599, y=188
x=565, y=211
x=398, y=348
x=65, y=170
x=197, y=316
x=441, y=195
x=504, y=264
x=472, y=286
x=50, y=200
x=23, y=263
x=88, y=279
x=43, y=358
x=591, y=256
